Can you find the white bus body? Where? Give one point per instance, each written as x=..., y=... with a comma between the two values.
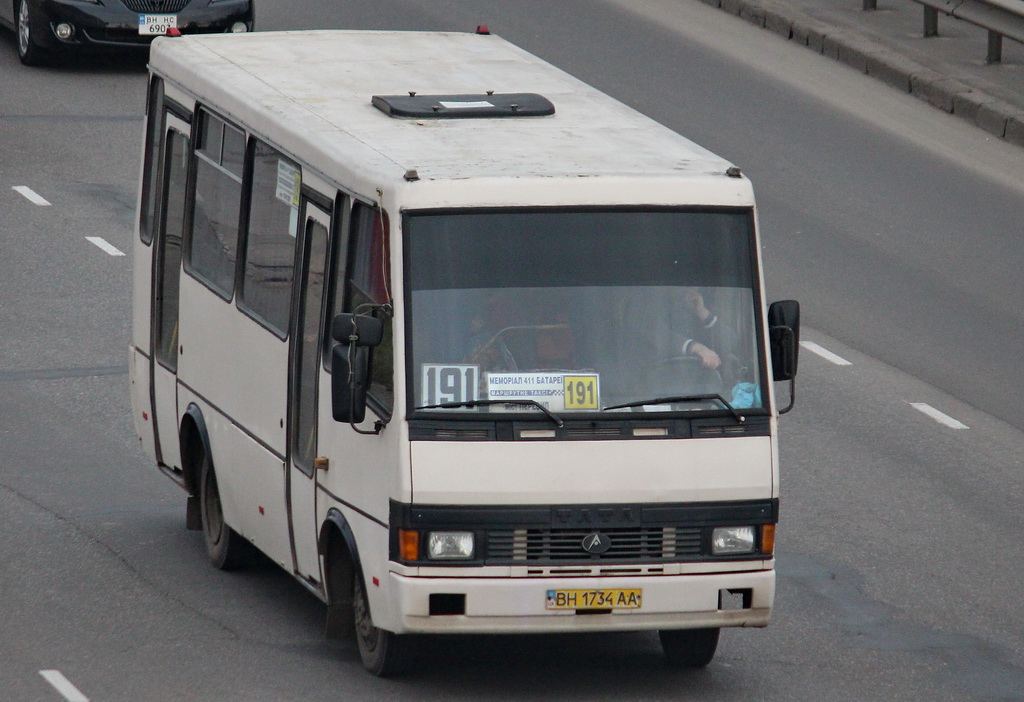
x=537, y=315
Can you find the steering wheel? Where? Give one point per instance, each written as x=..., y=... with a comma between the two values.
x=688, y=374
x=495, y=354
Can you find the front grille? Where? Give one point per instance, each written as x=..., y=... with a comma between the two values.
x=706, y=431
x=464, y=434
x=628, y=544
x=156, y=6
x=595, y=432
x=548, y=540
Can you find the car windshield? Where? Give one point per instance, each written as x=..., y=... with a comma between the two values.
x=582, y=310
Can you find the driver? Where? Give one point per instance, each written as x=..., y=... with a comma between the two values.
x=706, y=332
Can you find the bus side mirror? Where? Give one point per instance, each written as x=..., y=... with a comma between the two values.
x=784, y=337
x=357, y=329
x=784, y=340
x=356, y=334
x=350, y=371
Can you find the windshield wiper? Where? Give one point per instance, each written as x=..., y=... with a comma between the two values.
x=678, y=398
x=512, y=401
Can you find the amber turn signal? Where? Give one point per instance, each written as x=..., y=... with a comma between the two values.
x=409, y=544
x=768, y=539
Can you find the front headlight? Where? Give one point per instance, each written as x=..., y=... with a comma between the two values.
x=731, y=540
x=450, y=544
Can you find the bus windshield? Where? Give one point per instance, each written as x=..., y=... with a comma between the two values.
x=582, y=310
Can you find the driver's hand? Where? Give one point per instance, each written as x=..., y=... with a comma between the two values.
x=708, y=358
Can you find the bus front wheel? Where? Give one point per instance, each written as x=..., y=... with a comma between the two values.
x=226, y=549
x=382, y=652
x=689, y=648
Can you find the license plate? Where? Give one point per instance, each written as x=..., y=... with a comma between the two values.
x=156, y=24
x=594, y=599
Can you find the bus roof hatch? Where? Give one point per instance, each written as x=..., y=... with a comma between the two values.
x=464, y=106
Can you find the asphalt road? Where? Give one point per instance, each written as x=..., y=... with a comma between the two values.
x=900, y=543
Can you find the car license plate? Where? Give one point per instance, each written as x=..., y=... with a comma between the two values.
x=594, y=599
x=156, y=24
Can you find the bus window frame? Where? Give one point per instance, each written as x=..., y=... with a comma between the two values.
x=309, y=198
x=156, y=141
x=198, y=134
x=340, y=276
x=341, y=220
x=248, y=180
x=156, y=318
x=152, y=173
x=758, y=306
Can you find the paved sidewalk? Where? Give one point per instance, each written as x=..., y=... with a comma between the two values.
x=949, y=71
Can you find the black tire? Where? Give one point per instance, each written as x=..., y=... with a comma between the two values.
x=338, y=579
x=226, y=549
x=689, y=648
x=384, y=653
x=29, y=51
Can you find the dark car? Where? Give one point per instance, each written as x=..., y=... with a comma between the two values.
x=47, y=27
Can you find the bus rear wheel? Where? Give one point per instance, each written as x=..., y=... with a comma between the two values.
x=226, y=549
x=383, y=653
x=689, y=648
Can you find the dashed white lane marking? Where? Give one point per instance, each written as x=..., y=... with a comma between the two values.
x=103, y=244
x=63, y=686
x=825, y=353
x=938, y=416
x=30, y=195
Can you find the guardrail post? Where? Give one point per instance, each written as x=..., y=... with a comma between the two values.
x=995, y=47
x=931, y=22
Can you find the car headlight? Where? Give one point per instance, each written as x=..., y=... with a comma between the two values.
x=450, y=544
x=730, y=540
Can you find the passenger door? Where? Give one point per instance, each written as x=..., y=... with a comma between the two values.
x=166, y=283
x=305, y=379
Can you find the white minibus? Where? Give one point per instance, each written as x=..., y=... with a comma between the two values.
x=460, y=342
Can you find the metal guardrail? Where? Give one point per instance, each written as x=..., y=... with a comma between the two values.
x=1002, y=18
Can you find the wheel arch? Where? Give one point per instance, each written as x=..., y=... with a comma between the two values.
x=337, y=546
x=194, y=442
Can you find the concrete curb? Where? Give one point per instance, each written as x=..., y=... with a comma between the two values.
x=995, y=116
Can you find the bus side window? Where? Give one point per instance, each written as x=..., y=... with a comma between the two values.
x=271, y=241
x=213, y=246
x=369, y=283
x=169, y=254
x=151, y=173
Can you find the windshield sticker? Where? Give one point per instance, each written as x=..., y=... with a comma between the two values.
x=555, y=391
x=450, y=383
x=289, y=185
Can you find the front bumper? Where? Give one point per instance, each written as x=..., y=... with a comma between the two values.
x=114, y=26
x=517, y=605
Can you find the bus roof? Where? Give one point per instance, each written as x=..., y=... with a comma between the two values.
x=311, y=93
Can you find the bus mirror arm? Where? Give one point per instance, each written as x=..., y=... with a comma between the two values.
x=792, y=396
x=784, y=340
